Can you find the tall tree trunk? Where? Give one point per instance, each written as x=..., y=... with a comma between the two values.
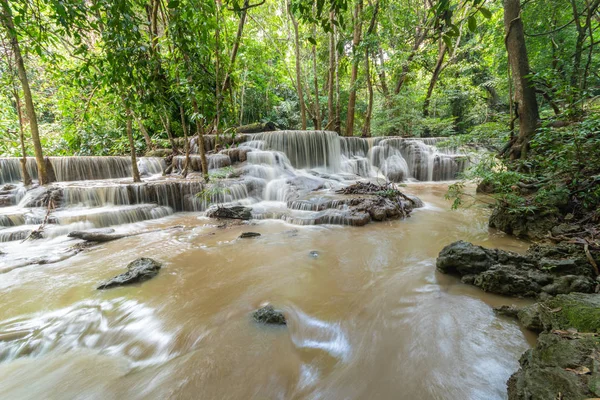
x=317, y=104
x=200, y=142
x=7, y=21
x=338, y=106
x=367, y=127
x=134, y=168
x=370, y=30
x=330, y=78
x=217, y=73
x=186, y=164
x=524, y=93
x=382, y=75
x=298, y=68
x=434, y=77
x=355, y=60
x=24, y=171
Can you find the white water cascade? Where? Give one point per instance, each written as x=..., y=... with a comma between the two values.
x=289, y=175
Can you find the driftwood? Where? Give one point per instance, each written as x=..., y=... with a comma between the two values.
x=107, y=235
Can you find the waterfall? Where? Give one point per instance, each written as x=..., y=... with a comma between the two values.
x=67, y=169
x=306, y=149
x=289, y=175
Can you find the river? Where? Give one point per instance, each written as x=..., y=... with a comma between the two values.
x=368, y=315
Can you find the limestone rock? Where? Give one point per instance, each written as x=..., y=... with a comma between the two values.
x=542, y=270
x=230, y=212
x=139, y=270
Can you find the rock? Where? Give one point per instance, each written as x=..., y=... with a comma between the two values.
x=268, y=315
x=139, y=270
x=246, y=235
x=577, y=311
x=231, y=212
x=529, y=226
x=558, y=368
x=314, y=254
x=542, y=270
x=507, y=311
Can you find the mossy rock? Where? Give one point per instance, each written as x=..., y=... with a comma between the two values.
x=569, y=367
x=578, y=311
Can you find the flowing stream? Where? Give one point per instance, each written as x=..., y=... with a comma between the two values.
x=368, y=315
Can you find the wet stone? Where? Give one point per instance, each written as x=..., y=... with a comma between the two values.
x=269, y=316
x=138, y=271
x=247, y=235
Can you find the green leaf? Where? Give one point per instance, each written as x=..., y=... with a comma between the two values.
x=485, y=12
x=173, y=4
x=312, y=41
x=447, y=40
x=472, y=23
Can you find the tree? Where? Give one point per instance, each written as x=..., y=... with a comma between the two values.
x=357, y=29
x=8, y=24
x=524, y=93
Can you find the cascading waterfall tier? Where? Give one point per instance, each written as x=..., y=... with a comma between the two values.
x=68, y=169
x=290, y=175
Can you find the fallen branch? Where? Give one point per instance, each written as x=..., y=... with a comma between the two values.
x=104, y=236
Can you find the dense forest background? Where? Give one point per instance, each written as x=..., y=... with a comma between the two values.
x=362, y=67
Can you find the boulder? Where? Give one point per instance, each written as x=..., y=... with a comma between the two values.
x=565, y=363
x=528, y=226
x=230, y=212
x=579, y=311
x=268, y=315
x=558, y=368
x=548, y=270
x=138, y=271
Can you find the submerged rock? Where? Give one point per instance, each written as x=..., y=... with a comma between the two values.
x=268, y=315
x=548, y=270
x=139, y=270
x=246, y=235
x=230, y=212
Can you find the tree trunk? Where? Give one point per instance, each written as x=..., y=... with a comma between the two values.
x=166, y=121
x=372, y=25
x=434, y=77
x=355, y=59
x=29, y=107
x=24, y=171
x=382, y=76
x=298, y=68
x=316, y=83
x=134, y=167
x=186, y=164
x=524, y=93
x=200, y=140
x=367, y=127
x=330, y=79
x=337, y=126
x=217, y=74
x=147, y=139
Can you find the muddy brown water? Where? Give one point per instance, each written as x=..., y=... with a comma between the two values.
x=368, y=315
